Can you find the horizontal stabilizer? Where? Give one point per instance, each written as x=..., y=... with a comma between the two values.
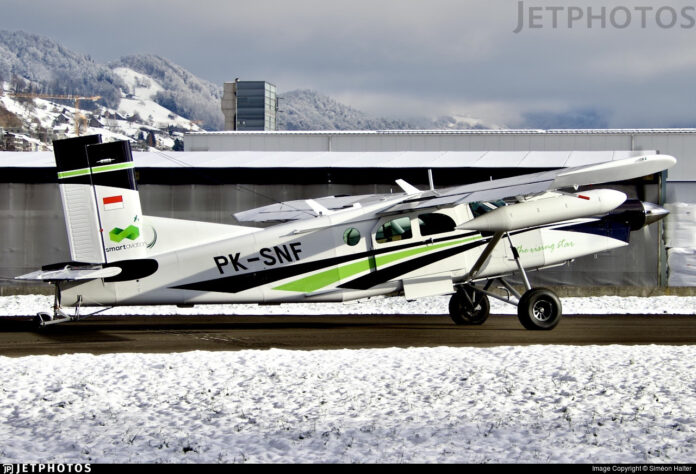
x=69, y=273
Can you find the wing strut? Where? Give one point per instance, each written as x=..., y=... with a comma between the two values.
x=476, y=268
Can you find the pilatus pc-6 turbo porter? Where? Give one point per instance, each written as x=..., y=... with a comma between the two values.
x=454, y=241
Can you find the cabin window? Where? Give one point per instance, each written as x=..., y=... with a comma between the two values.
x=435, y=223
x=395, y=229
x=351, y=236
x=481, y=208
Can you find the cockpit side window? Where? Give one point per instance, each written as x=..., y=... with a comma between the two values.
x=481, y=208
x=395, y=229
x=435, y=223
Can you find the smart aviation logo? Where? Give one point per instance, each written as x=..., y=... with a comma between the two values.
x=117, y=234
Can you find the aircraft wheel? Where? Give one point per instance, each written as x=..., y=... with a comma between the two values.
x=463, y=312
x=539, y=309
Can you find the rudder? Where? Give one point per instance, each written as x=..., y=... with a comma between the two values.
x=101, y=203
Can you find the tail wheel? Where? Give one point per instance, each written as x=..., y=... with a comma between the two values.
x=539, y=309
x=469, y=307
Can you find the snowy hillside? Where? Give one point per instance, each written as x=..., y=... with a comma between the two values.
x=38, y=63
x=136, y=118
x=311, y=110
x=180, y=91
x=147, y=99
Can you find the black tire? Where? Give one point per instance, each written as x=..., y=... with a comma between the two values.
x=463, y=312
x=539, y=309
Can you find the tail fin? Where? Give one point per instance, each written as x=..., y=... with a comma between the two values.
x=100, y=199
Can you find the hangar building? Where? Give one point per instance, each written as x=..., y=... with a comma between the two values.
x=221, y=173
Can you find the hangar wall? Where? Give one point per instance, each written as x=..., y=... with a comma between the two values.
x=32, y=230
x=680, y=143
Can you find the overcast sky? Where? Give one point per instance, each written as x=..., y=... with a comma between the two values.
x=625, y=66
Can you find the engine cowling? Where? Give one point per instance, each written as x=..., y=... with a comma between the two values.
x=637, y=214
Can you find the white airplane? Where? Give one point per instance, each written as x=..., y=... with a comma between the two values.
x=457, y=241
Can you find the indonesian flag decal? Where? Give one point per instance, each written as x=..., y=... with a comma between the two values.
x=113, y=202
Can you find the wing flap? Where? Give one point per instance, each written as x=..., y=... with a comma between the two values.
x=302, y=209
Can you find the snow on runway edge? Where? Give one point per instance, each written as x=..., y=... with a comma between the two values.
x=29, y=305
x=533, y=404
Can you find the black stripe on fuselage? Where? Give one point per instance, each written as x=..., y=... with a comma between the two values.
x=245, y=281
x=605, y=227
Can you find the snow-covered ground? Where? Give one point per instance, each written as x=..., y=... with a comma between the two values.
x=29, y=305
x=535, y=404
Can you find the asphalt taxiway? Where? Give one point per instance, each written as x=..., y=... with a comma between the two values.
x=109, y=334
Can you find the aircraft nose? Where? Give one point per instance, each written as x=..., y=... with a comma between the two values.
x=653, y=212
x=637, y=214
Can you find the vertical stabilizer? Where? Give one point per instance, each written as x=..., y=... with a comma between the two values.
x=100, y=200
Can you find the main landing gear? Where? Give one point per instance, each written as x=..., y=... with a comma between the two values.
x=537, y=308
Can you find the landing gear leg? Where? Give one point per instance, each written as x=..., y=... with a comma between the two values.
x=59, y=316
x=538, y=308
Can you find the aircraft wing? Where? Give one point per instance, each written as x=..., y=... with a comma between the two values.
x=535, y=183
x=523, y=185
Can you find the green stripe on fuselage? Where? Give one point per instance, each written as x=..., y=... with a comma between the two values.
x=322, y=279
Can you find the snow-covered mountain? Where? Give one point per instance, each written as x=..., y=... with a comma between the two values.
x=311, y=110
x=144, y=98
x=179, y=90
x=35, y=72
x=33, y=122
